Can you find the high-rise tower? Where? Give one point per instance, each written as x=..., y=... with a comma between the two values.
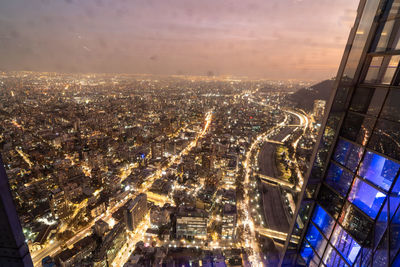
x=348, y=213
x=13, y=250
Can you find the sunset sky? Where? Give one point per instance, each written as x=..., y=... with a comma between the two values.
x=273, y=39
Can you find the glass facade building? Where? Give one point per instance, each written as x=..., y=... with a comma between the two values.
x=14, y=252
x=348, y=213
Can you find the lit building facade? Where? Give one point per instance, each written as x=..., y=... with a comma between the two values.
x=348, y=213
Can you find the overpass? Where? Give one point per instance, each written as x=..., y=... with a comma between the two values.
x=268, y=180
x=273, y=141
x=271, y=233
x=274, y=234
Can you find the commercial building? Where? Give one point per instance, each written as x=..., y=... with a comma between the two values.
x=191, y=223
x=135, y=212
x=348, y=213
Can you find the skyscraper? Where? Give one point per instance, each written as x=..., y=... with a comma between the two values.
x=13, y=250
x=348, y=213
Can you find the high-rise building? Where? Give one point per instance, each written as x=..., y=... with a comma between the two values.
x=135, y=211
x=348, y=213
x=318, y=109
x=13, y=250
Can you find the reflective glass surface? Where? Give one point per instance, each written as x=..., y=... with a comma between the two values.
x=380, y=256
x=386, y=138
x=322, y=219
x=345, y=244
x=385, y=32
x=373, y=70
x=356, y=223
x=348, y=154
x=332, y=258
x=381, y=224
x=368, y=100
x=366, y=198
x=395, y=234
x=390, y=69
x=378, y=170
x=357, y=128
x=360, y=39
x=308, y=254
x=316, y=240
x=331, y=201
x=391, y=108
x=339, y=179
x=394, y=199
x=396, y=262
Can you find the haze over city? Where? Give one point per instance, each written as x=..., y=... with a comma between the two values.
x=275, y=39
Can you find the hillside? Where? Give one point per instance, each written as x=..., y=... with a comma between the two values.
x=304, y=98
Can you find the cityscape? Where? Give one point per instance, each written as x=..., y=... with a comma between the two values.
x=126, y=164
x=177, y=164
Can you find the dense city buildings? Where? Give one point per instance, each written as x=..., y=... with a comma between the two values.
x=113, y=170
x=349, y=209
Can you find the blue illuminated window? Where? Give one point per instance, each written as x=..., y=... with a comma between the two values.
x=396, y=261
x=308, y=254
x=381, y=223
x=378, y=170
x=394, y=199
x=380, y=256
x=316, y=240
x=394, y=234
x=367, y=198
x=332, y=258
x=322, y=219
x=348, y=154
x=345, y=244
x=339, y=179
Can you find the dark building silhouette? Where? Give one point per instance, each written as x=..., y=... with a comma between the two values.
x=348, y=213
x=14, y=252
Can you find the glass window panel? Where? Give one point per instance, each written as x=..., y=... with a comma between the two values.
x=377, y=101
x=331, y=201
x=316, y=240
x=322, y=219
x=357, y=128
x=366, y=198
x=384, y=35
x=356, y=223
x=307, y=253
x=391, y=108
x=396, y=261
x=348, y=154
x=360, y=39
x=386, y=139
x=378, y=170
x=381, y=255
x=368, y=100
x=394, y=199
x=373, y=70
x=394, y=8
x=394, y=234
x=345, y=244
x=390, y=69
x=381, y=224
x=339, y=178
x=361, y=99
x=332, y=258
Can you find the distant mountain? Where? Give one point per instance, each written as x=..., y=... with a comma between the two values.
x=304, y=98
